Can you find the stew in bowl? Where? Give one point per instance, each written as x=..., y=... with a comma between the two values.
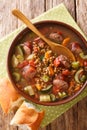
x=42, y=76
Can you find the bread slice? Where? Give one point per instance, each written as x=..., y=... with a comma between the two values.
x=16, y=104
x=27, y=117
x=7, y=94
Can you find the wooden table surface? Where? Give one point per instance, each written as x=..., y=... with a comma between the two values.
x=76, y=117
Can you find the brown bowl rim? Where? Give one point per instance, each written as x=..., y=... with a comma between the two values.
x=24, y=31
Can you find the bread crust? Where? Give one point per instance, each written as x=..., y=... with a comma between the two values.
x=7, y=94
x=28, y=116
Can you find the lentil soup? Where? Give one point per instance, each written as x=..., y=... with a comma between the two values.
x=43, y=75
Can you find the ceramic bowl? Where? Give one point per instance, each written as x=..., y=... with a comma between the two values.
x=22, y=35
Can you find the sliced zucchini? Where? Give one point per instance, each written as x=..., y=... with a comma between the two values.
x=20, y=58
x=16, y=76
x=77, y=75
x=14, y=61
x=75, y=64
x=45, y=78
x=19, y=50
x=29, y=90
x=30, y=57
x=83, y=78
x=45, y=98
x=53, y=97
x=47, y=88
x=83, y=56
x=62, y=94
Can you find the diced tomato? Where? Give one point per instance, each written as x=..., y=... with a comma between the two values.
x=60, y=33
x=24, y=63
x=55, y=90
x=85, y=63
x=31, y=62
x=66, y=72
x=56, y=62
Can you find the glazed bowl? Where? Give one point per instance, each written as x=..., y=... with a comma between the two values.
x=23, y=35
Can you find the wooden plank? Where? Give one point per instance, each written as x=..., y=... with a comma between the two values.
x=7, y=24
x=31, y=8
x=69, y=5
x=81, y=11
x=5, y=121
x=67, y=121
x=82, y=114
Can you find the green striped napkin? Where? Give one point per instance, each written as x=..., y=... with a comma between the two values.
x=59, y=13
